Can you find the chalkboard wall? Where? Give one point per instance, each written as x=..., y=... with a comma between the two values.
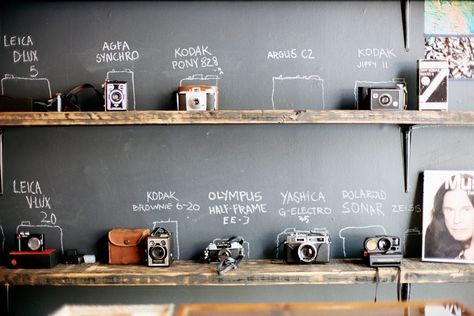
x=206, y=182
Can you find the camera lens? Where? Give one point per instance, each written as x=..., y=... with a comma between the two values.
x=385, y=99
x=157, y=253
x=34, y=243
x=371, y=244
x=116, y=96
x=224, y=254
x=307, y=252
x=384, y=244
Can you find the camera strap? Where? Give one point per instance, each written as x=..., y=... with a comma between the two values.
x=231, y=263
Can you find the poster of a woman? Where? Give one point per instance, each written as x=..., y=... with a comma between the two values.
x=448, y=216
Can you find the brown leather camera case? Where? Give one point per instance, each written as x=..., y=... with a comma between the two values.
x=126, y=246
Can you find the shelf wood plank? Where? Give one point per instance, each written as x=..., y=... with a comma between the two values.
x=236, y=117
x=255, y=272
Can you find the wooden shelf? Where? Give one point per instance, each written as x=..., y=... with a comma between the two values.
x=236, y=117
x=259, y=272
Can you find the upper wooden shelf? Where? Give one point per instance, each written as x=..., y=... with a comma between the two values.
x=236, y=117
x=254, y=272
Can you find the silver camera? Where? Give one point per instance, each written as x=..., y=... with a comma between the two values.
x=383, y=250
x=158, y=250
x=382, y=98
x=29, y=242
x=221, y=250
x=307, y=247
x=116, y=96
x=197, y=98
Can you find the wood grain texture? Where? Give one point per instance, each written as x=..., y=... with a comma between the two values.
x=236, y=117
x=258, y=272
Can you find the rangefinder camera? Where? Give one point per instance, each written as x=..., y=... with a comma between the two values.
x=29, y=242
x=158, y=250
x=307, y=247
x=224, y=249
x=382, y=98
x=383, y=250
x=116, y=96
x=197, y=98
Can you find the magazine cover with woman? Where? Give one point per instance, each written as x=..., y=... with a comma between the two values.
x=448, y=216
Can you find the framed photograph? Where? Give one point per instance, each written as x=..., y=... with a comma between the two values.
x=448, y=216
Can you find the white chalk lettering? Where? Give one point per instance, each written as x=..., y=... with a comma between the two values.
x=299, y=197
x=9, y=41
x=362, y=208
x=30, y=187
x=364, y=194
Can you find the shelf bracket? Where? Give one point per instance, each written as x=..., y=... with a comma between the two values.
x=406, y=131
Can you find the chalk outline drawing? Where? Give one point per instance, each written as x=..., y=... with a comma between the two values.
x=28, y=224
x=3, y=239
x=246, y=243
x=298, y=77
x=126, y=71
x=9, y=76
x=358, y=83
x=176, y=233
x=289, y=230
x=203, y=77
x=357, y=227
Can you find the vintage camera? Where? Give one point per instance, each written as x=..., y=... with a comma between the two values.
x=197, y=98
x=383, y=251
x=225, y=249
x=382, y=98
x=307, y=247
x=29, y=242
x=158, y=251
x=116, y=96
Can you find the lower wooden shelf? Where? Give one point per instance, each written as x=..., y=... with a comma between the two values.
x=256, y=272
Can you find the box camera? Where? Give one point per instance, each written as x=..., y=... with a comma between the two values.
x=158, y=250
x=383, y=251
x=197, y=98
x=116, y=96
x=29, y=242
x=224, y=249
x=382, y=98
x=307, y=247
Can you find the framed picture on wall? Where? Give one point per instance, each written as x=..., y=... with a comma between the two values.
x=448, y=216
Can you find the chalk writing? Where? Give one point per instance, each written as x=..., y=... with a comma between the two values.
x=116, y=51
x=292, y=53
x=303, y=205
x=374, y=57
x=236, y=207
x=164, y=201
x=20, y=54
x=33, y=194
x=404, y=208
x=363, y=202
x=195, y=57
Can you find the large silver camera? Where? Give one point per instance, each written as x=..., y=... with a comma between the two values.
x=158, y=251
x=116, y=96
x=307, y=247
x=197, y=98
x=382, y=98
x=383, y=251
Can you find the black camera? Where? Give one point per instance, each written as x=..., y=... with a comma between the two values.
x=382, y=98
x=29, y=242
x=307, y=247
x=383, y=251
x=116, y=96
x=221, y=250
x=158, y=250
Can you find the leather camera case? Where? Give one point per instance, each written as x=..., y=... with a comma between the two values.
x=126, y=246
